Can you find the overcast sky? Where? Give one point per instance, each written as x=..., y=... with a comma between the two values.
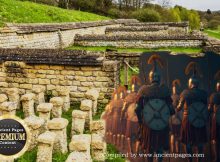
x=199, y=4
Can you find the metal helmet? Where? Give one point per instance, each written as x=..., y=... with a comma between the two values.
x=217, y=77
x=154, y=75
x=175, y=83
x=193, y=81
x=135, y=83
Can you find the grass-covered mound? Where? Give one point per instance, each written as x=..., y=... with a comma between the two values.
x=28, y=12
x=213, y=33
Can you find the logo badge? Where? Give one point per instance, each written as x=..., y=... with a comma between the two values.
x=14, y=136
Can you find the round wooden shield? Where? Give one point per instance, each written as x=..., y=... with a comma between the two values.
x=156, y=114
x=198, y=114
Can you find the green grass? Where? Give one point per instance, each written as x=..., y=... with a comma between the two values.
x=213, y=33
x=172, y=49
x=28, y=12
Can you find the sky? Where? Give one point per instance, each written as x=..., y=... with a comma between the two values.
x=213, y=5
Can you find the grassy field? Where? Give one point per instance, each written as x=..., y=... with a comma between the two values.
x=28, y=12
x=172, y=49
x=213, y=33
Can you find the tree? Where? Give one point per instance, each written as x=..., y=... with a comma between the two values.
x=165, y=3
x=146, y=15
x=209, y=11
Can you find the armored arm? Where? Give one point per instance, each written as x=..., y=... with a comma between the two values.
x=180, y=105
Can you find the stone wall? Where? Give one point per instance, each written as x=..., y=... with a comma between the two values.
x=80, y=75
x=132, y=41
x=51, y=35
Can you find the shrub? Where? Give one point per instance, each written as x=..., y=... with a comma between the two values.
x=213, y=24
x=146, y=15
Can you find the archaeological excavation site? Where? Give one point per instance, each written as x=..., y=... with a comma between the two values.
x=61, y=79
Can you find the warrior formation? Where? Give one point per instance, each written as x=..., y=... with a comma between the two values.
x=151, y=119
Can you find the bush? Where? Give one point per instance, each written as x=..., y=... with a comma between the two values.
x=114, y=13
x=213, y=24
x=146, y=15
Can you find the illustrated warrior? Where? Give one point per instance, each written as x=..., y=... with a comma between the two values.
x=116, y=114
x=129, y=120
x=107, y=116
x=195, y=115
x=214, y=109
x=176, y=119
x=153, y=111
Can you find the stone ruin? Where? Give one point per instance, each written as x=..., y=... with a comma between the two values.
x=49, y=129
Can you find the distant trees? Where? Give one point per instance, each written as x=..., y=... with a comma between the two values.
x=143, y=10
x=146, y=15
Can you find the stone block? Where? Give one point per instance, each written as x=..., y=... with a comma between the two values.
x=86, y=105
x=44, y=107
x=79, y=157
x=80, y=143
x=92, y=94
x=57, y=123
x=47, y=138
x=78, y=122
x=98, y=142
x=98, y=127
x=28, y=97
x=3, y=98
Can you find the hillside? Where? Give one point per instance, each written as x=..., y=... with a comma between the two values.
x=29, y=12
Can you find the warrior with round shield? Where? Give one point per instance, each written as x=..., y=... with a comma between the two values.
x=116, y=114
x=176, y=119
x=127, y=117
x=214, y=108
x=153, y=111
x=195, y=116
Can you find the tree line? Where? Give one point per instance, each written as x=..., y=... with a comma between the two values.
x=143, y=10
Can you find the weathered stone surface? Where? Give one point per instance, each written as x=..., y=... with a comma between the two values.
x=98, y=142
x=98, y=127
x=57, y=123
x=28, y=104
x=47, y=138
x=92, y=94
x=28, y=97
x=56, y=101
x=13, y=96
x=98, y=147
x=45, y=147
x=80, y=143
x=44, y=110
x=3, y=98
x=57, y=106
x=36, y=126
x=34, y=122
x=8, y=106
x=78, y=114
x=86, y=105
x=79, y=157
x=39, y=94
x=45, y=107
x=58, y=126
x=78, y=122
